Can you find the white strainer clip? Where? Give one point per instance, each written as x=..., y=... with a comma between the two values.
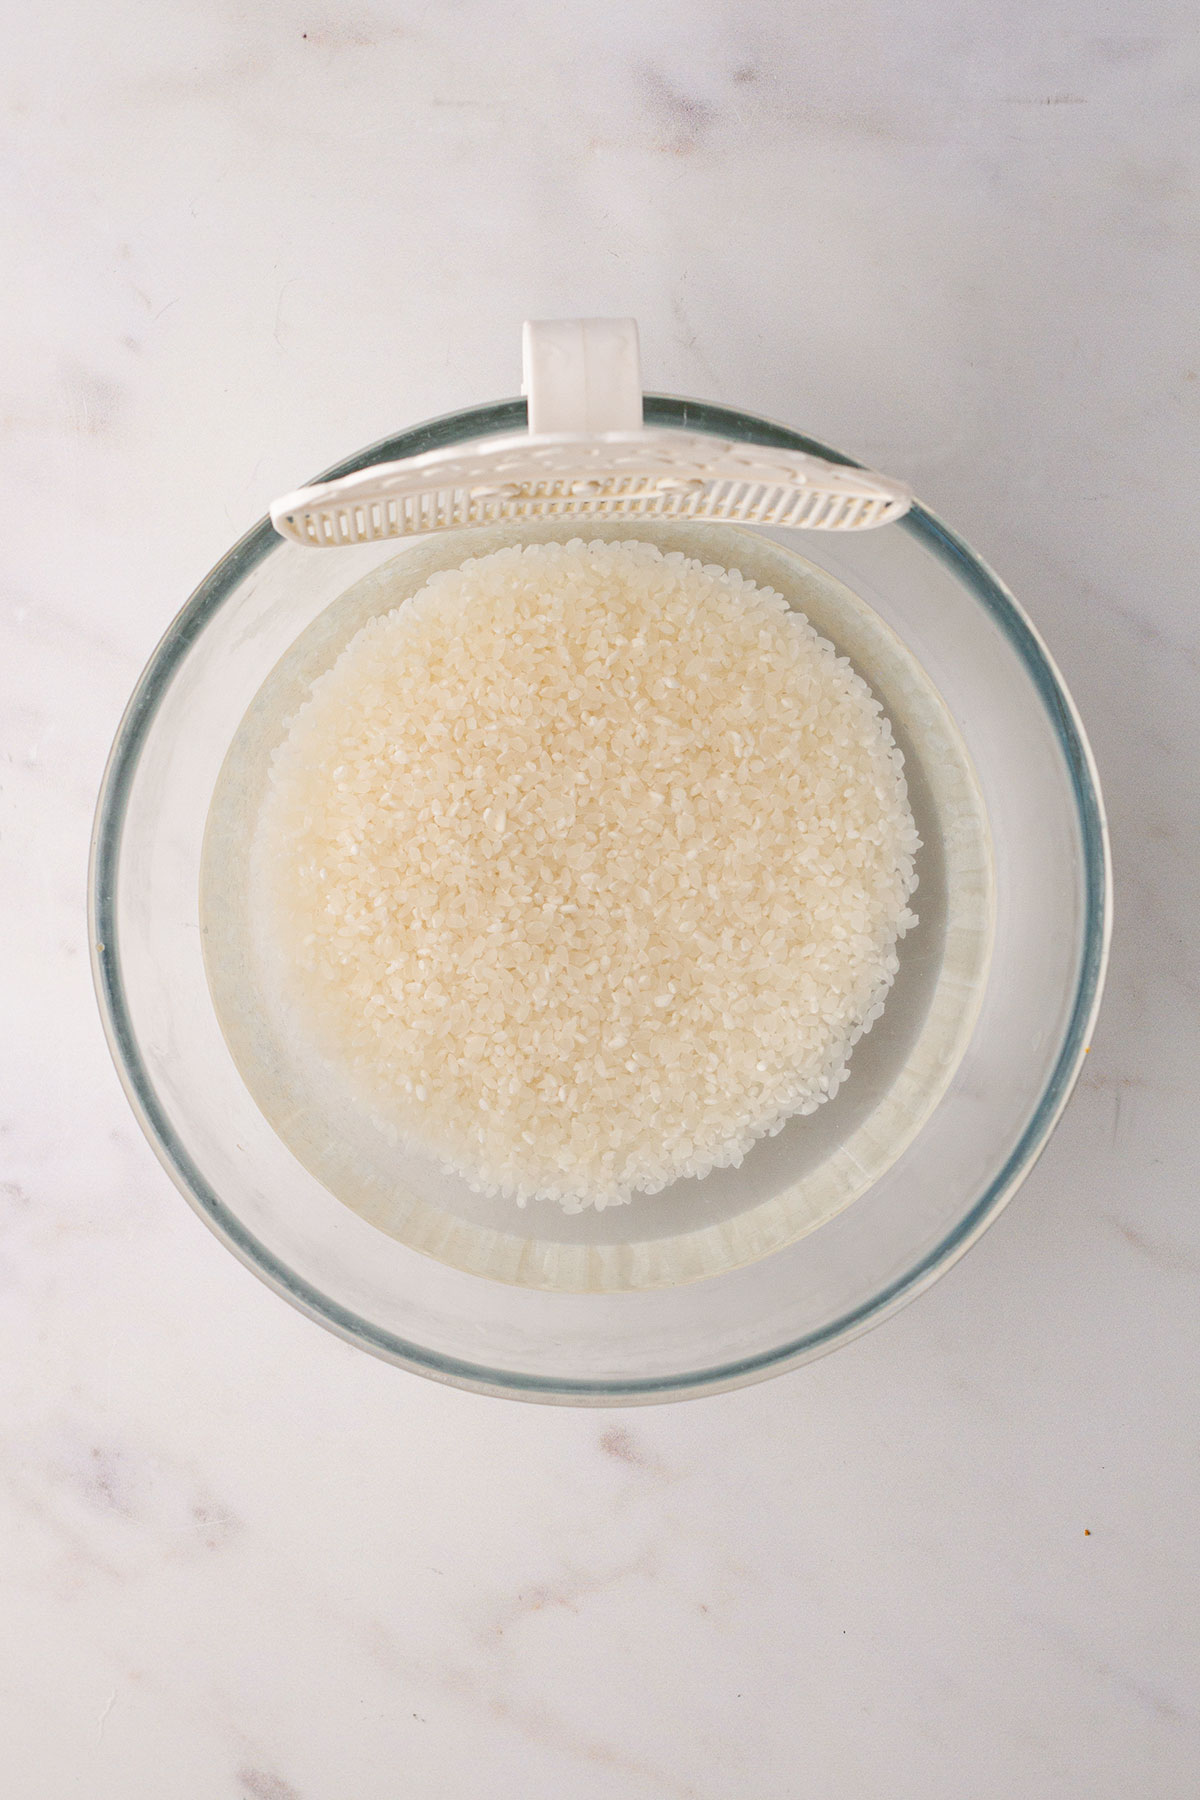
x=587, y=455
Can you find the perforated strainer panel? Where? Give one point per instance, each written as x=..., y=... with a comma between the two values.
x=654, y=474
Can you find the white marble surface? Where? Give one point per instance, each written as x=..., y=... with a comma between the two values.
x=239, y=1560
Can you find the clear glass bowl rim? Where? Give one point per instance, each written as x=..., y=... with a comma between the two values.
x=216, y=589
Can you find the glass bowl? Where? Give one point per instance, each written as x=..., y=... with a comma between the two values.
x=821, y=1232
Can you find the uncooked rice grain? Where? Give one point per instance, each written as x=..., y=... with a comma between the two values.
x=588, y=863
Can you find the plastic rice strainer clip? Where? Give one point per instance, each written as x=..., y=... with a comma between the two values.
x=587, y=454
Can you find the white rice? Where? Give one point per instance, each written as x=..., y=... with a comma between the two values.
x=589, y=863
